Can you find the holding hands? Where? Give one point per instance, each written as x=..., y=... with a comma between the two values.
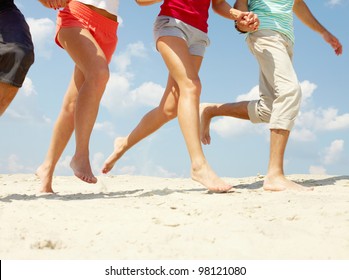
x=245, y=21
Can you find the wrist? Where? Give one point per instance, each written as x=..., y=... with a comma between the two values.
x=238, y=29
x=234, y=13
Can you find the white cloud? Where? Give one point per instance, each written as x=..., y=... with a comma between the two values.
x=308, y=89
x=25, y=105
x=303, y=135
x=253, y=94
x=148, y=94
x=334, y=2
x=332, y=121
x=118, y=94
x=42, y=31
x=28, y=88
x=310, y=121
x=63, y=166
x=333, y=153
x=323, y=120
x=123, y=59
x=14, y=165
x=228, y=127
x=318, y=170
x=106, y=127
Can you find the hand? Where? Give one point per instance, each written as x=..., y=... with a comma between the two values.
x=247, y=22
x=334, y=42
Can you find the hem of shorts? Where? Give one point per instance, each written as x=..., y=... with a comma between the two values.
x=4, y=81
x=280, y=126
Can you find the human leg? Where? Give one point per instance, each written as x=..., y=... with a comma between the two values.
x=280, y=101
x=275, y=179
x=91, y=61
x=7, y=94
x=184, y=69
x=62, y=132
x=211, y=110
x=152, y=121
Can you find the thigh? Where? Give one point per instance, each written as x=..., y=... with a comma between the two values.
x=82, y=48
x=273, y=54
x=7, y=94
x=182, y=66
x=103, y=29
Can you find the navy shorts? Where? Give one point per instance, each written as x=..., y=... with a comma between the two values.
x=16, y=47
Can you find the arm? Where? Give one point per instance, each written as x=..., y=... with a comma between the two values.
x=147, y=2
x=244, y=18
x=302, y=11
x=242, y=5
x=54, y=4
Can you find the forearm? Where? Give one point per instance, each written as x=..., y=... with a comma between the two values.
x=302, y=11
x=241, y=5
x=304, y=14
x=147, y=2
x=223, y=8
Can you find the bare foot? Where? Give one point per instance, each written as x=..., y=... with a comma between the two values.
x=82, y=170
x=206, y=176
x=45, y=176
x=205, y=121
x=280, y=183
x=119, y=150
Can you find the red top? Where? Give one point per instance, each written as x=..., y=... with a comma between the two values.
x=192, y=12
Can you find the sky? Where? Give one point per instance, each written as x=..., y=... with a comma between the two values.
x=319, y=143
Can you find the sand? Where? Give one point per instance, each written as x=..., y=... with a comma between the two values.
x=151, y=218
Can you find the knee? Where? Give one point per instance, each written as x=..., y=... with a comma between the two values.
x=196, y=86
x=263, y=111
x=102, y=75
x=98, y=76
x=192, y=87
x=168, y=114
x=68, y=108
x=297, y=96
x=291, y=97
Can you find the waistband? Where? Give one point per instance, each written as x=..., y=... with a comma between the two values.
x=87, y=14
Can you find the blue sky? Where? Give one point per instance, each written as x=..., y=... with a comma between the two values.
x=319, y=143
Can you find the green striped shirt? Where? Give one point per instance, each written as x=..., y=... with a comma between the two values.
x=274, y=15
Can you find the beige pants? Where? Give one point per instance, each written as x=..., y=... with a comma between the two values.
x=279, y=89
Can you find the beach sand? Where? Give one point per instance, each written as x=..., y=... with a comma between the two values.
x=151, y=218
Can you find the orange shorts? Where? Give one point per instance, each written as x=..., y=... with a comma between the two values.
x=103, y=29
